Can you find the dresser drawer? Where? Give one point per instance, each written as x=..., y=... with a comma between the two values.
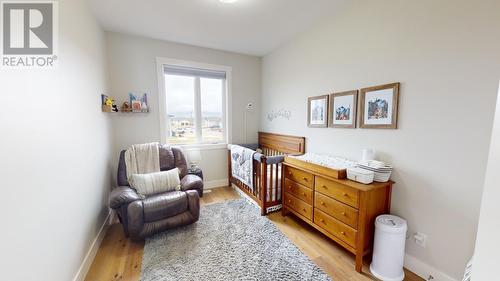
x=334, y=208
x=303, y=193
x=298, y=205
x=335, y=227
x=299, y=176
x=342, y=193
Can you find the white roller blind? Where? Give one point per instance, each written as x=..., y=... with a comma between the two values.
x=189, y=71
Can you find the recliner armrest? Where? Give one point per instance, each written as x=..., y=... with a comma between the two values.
x=122, y=195
x=191, y=182
x=193, y=204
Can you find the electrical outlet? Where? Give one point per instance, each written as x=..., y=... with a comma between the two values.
x=420, y=239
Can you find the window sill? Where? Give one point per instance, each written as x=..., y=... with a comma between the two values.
x=208, y=146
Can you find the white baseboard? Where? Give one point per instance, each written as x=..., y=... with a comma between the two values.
x=214, y=183
x=424, y=270
x=91, y=253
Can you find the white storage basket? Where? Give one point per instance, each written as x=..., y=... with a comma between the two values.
x=382, y=174
x=360, y=175
x=382, y=177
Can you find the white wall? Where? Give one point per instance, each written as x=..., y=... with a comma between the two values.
x=55, y=145
x=132, y=68
x=445, y=54
x=487, y=244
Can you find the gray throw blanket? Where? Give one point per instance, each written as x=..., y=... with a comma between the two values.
x=242, y=164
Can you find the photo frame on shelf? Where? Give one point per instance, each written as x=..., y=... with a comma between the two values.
x=343, y=109
x=108, y=104
x=317, y=111
x=379, y=107
x=137, y=103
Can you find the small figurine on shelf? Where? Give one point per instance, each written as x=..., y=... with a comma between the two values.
x=108, y=104
x=139, y=104
x=136, y=106
x=126, y=107
x=144, y=107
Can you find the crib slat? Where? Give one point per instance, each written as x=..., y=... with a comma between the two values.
x=271, y=183
x=256, y=168
x=276, y=177
x=280, y=184
x=263, y=179
x=277, y=182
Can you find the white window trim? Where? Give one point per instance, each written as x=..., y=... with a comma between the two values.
x=226, y=99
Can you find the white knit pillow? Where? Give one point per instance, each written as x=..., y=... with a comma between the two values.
x=153, y=183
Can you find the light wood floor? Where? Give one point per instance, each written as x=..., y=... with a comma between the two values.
x=120, y=258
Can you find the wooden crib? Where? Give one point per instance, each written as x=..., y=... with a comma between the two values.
x=267, y=168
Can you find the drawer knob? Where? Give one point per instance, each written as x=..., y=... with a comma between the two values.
x=345, y=194
x=322, y=220
x=289, y=201
x=290, y=173
x=343, y=233
x=343, y=213
x=323, y=186
x=322, y=203
x=304, y=210
x=304, y=178
x=303, y=193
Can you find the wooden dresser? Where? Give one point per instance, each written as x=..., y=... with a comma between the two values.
x=343, y=210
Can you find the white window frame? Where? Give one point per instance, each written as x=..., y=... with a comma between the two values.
x=226, y=100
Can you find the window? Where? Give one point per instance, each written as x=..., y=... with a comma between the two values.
x=195, y=105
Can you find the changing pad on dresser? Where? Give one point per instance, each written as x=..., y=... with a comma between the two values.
x=326, y=160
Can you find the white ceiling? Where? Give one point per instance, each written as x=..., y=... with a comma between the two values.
x=253, y=27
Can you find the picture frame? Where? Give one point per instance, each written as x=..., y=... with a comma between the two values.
x=343, y=109
x=108, y=104
x=138, y=104
x=317, y=111
x=378, y=107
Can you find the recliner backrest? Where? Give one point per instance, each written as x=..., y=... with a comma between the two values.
x=170, y=158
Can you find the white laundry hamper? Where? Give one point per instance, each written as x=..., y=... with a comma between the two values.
x=389, y=248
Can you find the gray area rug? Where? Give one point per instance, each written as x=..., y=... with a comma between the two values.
x=231, y=241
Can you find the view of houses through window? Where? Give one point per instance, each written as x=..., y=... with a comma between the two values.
x=194, y=109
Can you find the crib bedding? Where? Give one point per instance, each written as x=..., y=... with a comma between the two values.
x=267, y=159
x=242, y=164
x=240, y=155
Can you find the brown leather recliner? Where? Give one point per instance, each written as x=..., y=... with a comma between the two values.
x=142, y=217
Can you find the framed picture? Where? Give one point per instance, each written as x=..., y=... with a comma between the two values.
x=343, y=109
x=379, y=106
x=138, y=103
x=317, y=112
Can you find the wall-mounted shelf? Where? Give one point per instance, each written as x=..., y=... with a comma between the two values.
x=140, y=104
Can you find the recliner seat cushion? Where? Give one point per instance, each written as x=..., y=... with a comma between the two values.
x=164, y=205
